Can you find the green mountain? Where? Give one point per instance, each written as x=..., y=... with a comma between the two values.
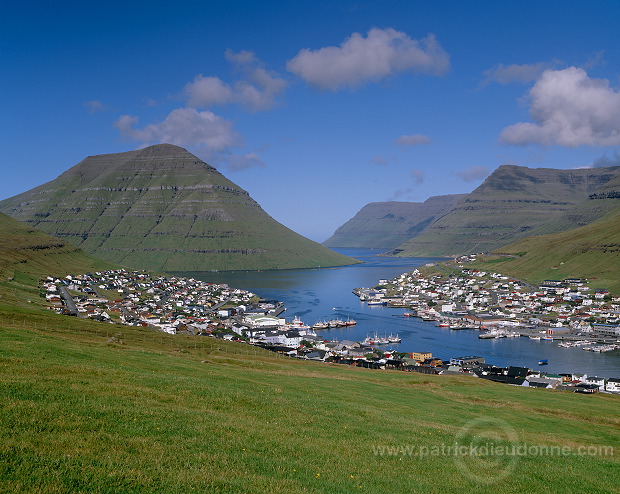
x=591, y=251
x=385, y=225
x=516, y=202
x=163, y=209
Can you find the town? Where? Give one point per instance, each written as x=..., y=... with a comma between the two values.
x=496, y=305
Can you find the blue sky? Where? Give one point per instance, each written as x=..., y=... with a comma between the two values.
x=315, y=108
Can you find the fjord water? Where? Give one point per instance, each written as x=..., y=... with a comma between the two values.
x=326, y=293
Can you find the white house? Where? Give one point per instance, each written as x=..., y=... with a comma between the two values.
x=613, y=385
x=599, y=381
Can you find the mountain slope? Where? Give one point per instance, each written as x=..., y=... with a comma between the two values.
x=591, y=251
x=161, y=208
x=29, y=250
x=384, y=225
x=516, y=202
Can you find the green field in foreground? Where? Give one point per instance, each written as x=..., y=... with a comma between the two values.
x=84, y=409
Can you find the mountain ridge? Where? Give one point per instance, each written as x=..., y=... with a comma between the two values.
x=516, y=202
x=162, y=208
x=385, y=225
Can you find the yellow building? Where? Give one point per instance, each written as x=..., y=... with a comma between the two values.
x=420, y=356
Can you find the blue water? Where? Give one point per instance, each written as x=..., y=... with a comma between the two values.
x=320, y=294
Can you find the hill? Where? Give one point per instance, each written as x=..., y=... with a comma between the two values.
x=163, y=209
x=385, y=225
x=591, y=251
x=516, y=202
x=151, y=412
x=161, y=413
x=27, y=253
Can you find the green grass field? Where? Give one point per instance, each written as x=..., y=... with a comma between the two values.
x=81, y=412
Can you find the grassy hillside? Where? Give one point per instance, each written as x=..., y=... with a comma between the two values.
x=94, y=407
x=591, y=251
x=516, y=202
x=27, y=249
x=163, y=209
x=163, y=413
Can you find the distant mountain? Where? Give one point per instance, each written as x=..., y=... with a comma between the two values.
x=591, y=251
x=516, y=202
x=385, y=225
x=162, y=208
x=26, y=249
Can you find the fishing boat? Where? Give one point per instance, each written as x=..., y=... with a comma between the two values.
x=543, y=362
x=350, y=322
x=375, y=340
x=320, y=325
x=297, y=324
x=535, y=338
x=394, y=339
x=376, y=301
x=492, y=334
x=335, y=323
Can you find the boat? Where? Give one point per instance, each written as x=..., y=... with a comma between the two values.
x=494, y=333
x=409, y=314
x=535, y=338
x=543, y=362
x=350, y=322
x=375, y=340
x=320, y=325
x=443, y=325
x=298, y=324
x=335, y=323
x=376, y=301
x=394, y=339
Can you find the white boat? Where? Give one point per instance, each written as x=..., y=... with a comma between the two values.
x=394, y=339
x=535, y=338
x=335, y=323
x=320, y=325
x=297, y=324
x=375, y=340
x=492, y=334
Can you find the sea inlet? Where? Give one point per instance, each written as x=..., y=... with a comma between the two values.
x=326, y=293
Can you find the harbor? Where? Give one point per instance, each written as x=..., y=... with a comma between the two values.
x=324, y=294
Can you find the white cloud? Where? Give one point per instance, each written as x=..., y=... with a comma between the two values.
x=413, y=140
x=184, y=127
x=569, y=109
x=95, y=106
x=207, y=91
x=473, y=173
x=256, y=90
x=359, y=59
x=418, y=176
x=604, y=161
x=524, y=73
x=402, y=194
x=243, y=162
x=379, y=160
